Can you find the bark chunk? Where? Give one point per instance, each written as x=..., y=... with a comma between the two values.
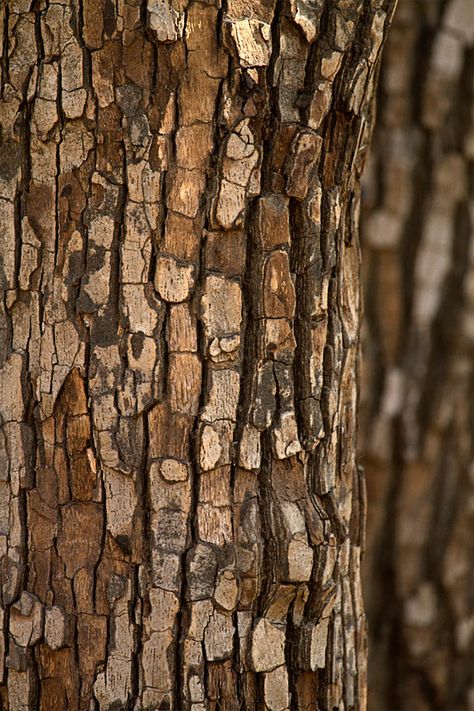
x=54, y=627
x=253, y=42
x=268, y=646
x=173, y=281
x=80, y=536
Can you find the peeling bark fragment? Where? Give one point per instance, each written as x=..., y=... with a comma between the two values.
x=226, y=592
x=273, y=221
x=223, y=396
x=169, y=433
x=241, y=143
x=252, y=41
x=230, y=204
x=185, y=382
x=120, y=504
x=341, y=29
x=321, y=102
x=172, y=470
x=221, y=307
x=300, y=560
x=185, y=192
x=218, y=637
x=55, y=627
x=305, y=151
x=279, y=294
x=277, y=695
x=26, y=625
x=250, y=450
x=265, y=403
x=165, y=20
x=214, y=524
x=210, y=448
x=172, y=280
x=182, y=335
x=268, y=646
x=285, y=435
x=11, y=407
x=307, y=15
x=314, y=644
x=79, y=538
x=202, y=566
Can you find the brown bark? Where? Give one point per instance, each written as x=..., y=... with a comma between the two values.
x=419, y=375
x=181, y=512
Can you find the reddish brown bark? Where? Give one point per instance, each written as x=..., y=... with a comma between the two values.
x=181, y=519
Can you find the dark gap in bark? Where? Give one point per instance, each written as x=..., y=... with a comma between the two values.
x=269, y=550
x=57, y=223
x=273, y=113
x=291, y=642
x=75, y=644
x=4, y=64
x=138, y=629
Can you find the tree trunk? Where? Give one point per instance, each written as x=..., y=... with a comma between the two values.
x=419, y=366
x=181, y=511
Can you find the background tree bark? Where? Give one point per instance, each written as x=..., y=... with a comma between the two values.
x=181, y=513
x=418, y=248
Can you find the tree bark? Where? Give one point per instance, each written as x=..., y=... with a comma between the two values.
x=418, y=249
x=181, y=513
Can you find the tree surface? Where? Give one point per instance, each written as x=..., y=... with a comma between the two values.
x=181, y=511
x=418, y=255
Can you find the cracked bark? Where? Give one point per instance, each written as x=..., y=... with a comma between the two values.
x=418, y=426
x=180, y=521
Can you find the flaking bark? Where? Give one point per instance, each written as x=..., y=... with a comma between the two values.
x=181, y=511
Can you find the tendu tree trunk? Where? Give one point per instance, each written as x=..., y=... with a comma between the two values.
x=181, y=512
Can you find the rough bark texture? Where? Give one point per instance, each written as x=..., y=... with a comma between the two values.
x=418, y=253
x=181, y=510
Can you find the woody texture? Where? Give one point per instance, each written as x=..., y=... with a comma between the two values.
x=181, y=509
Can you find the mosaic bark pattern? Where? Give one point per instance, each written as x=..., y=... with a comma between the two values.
x=181, y=515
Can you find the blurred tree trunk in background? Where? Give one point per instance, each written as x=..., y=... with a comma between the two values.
x=181, y=513
x=418, y=424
